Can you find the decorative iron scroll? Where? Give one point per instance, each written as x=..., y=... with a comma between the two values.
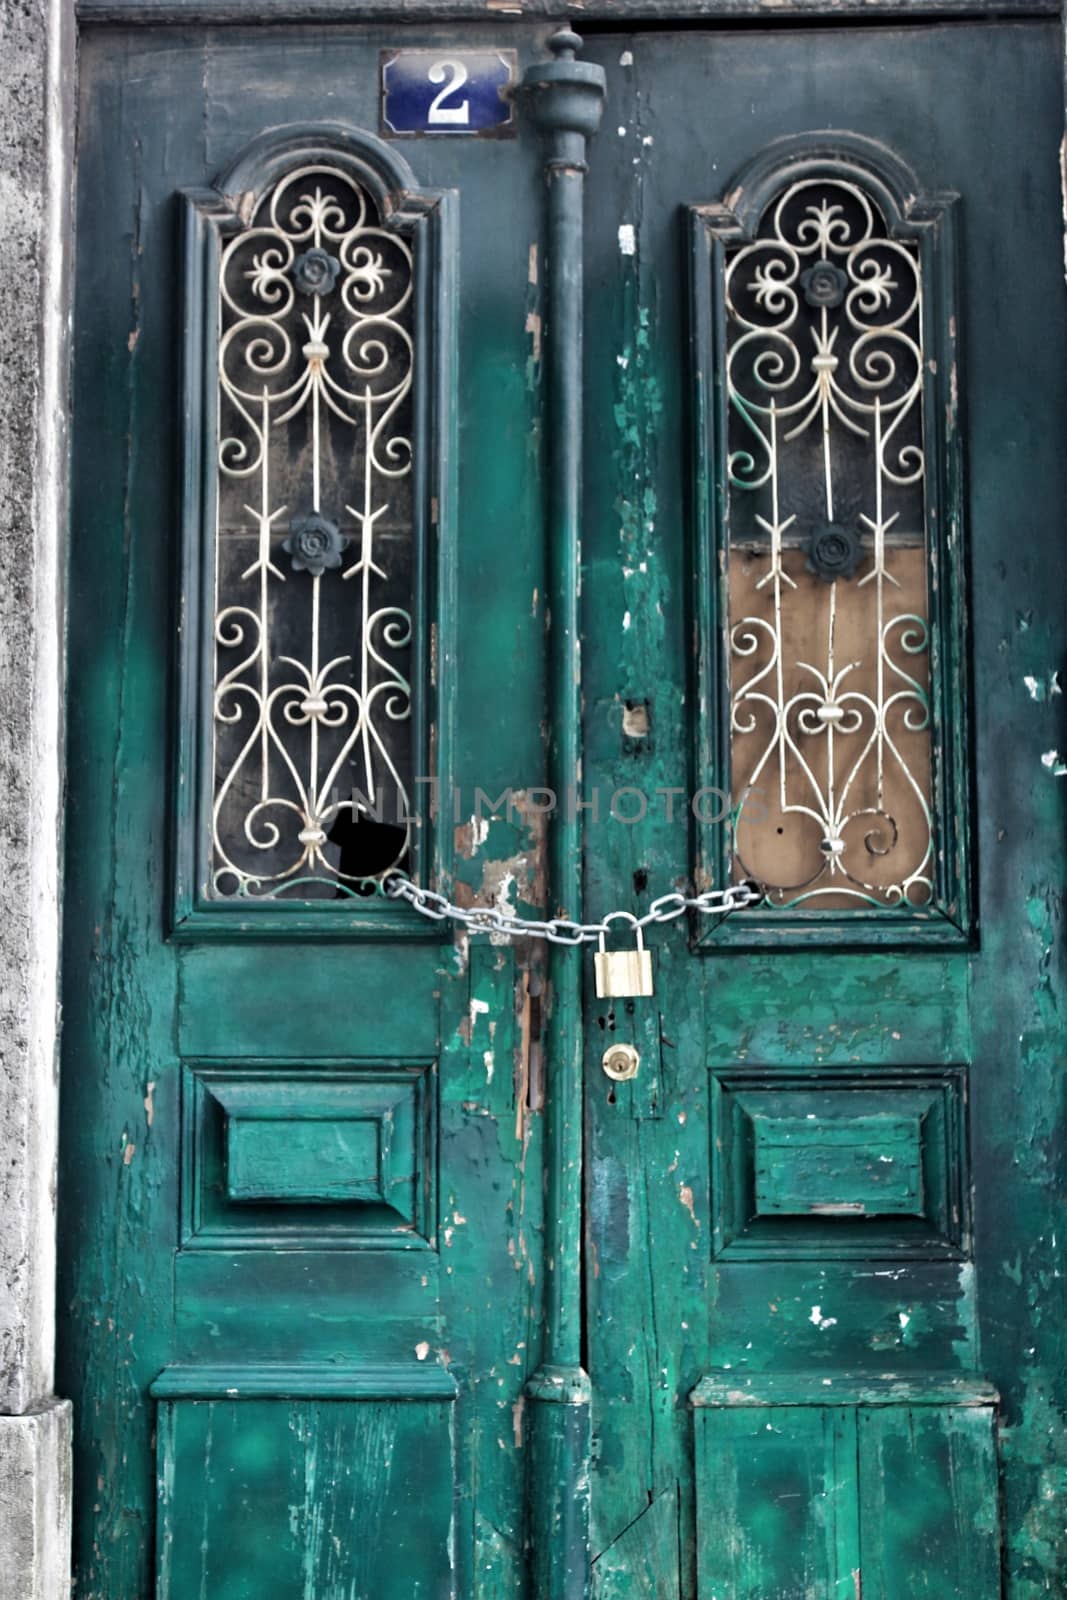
x=828, y=571
x=314, y=561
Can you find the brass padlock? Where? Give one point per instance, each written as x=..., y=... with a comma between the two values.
x=623, y=974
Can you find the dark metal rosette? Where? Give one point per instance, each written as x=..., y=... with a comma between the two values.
x=314, y=544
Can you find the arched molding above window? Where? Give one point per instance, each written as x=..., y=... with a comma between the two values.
x=831, y=578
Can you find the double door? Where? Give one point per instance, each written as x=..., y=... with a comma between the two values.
x=326, y=1225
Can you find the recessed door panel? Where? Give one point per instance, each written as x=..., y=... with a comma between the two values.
x=248, y=1489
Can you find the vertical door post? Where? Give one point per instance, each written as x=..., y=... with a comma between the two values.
x=565, y=97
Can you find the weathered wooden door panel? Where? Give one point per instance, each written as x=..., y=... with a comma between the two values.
x=836, y=1155
x=645, y=1558
x=928, y=1501
x=294, y=1198
x=892, y=1491
x=320, y=1497
x=777, y=1512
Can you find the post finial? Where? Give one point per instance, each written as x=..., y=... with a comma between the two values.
x=565, y=44
x=565, y=97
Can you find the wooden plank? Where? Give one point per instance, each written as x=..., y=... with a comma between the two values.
x=883, y=1013
x=296, y=1159
x=310, y=1138
x=644, y=1559
x=842, y=1389
x=342, y=1381
x=823, y=1316
x=864, y=1165
x=324, y=1305
x=929, y=1514
x=349, y=1498
x=318, y=1010
x=776, y=1504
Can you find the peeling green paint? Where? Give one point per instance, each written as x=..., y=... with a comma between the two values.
x=458, y=1317
x=663, y=1307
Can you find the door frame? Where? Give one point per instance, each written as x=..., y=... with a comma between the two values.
x=39, y=75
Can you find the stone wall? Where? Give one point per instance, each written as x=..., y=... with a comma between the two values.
x=36, y=129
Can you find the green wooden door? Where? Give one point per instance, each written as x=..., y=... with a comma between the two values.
x=305, y=1157
x=300, y=1216
x=821, y=1219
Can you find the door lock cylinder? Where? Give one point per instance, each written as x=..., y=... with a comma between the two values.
x=620, y=1062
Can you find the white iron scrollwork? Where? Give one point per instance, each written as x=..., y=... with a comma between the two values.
x=828, y=629
x=313, y=572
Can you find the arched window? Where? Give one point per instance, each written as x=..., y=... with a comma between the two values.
x=836, y=578
x=312, y=416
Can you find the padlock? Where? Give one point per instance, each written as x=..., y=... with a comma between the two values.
x=623, y=974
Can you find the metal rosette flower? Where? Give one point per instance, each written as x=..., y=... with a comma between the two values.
x=833, y=552
x=315, y=544
x=823, y=284
x=316, y=271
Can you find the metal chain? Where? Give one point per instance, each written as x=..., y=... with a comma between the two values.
x=561, y=930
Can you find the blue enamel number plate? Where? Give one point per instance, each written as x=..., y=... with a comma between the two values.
x=459, y=91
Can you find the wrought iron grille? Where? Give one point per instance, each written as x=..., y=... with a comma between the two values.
x=828, y=570
x=314, y=563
